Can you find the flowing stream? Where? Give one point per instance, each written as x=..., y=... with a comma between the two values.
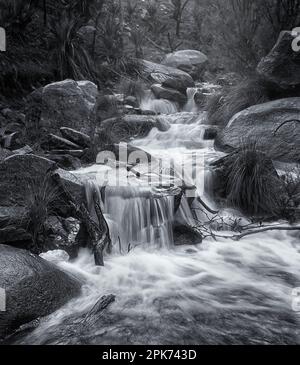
x=215, y=292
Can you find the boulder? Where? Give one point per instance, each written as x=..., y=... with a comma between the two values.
x=191, y=61
x=185, y=235
x=61, y=104
x=16, y=173
x=12, y=216
x=13, y=226
x=282, y=64
x=116, y=130
x=274, y=127
x=19, y=172
x=210, y=133
x=15, y=236
x=33, y=288
x=161, y=92
x=54, y=142
x=81, y=139
x=168, y=76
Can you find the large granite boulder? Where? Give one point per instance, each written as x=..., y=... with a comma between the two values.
x=274, y=127
x=282, y=64
x=167, y=93
x=67, y=103
x=33, y=288
x=20, y=173
x=115, y=130
x=191, y=61
x=168, y=76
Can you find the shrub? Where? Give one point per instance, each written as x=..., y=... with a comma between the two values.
x=248, y=181
x=232, y=100
x=68, y=53
x=41, y=202
x=15, y=15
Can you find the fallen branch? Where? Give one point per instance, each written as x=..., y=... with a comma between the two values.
x=97, y=309
x=266, y=229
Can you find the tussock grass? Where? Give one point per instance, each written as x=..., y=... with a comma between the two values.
x=249, y=182
x=41, y=202
x=234, y=99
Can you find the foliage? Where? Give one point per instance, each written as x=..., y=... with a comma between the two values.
x=249, y=182
x=15, y=15
x=41, y=199
x=67, y=52
x=234, y=99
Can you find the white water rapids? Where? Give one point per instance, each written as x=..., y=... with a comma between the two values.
x=217, y=292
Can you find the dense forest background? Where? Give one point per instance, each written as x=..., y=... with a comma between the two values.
x=103, y=40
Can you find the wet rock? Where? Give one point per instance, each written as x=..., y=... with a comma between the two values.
x=33, y=288
x=116, y=130
x=15, y=236
x=62, y=104
x=55, y=256
x=168, y=76
x=282, y=64
x=191, y=61
x=267, y=126
x=184, y=235
x=20, y=173
x=210, y=133
x=16, y=173
x=161, y=92
x=15, y=215
x=80, y=139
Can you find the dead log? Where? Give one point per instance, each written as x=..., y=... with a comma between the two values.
x=98, y=232
x=93, y=315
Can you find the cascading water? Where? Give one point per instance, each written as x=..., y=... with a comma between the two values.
x=217, y=292
x=191, y=103
x=158, y=106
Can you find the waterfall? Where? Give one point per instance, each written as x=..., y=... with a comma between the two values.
x=219, y=292
x=159, y=106
x=191, y=104
x=136, y=216
x=139, y=218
